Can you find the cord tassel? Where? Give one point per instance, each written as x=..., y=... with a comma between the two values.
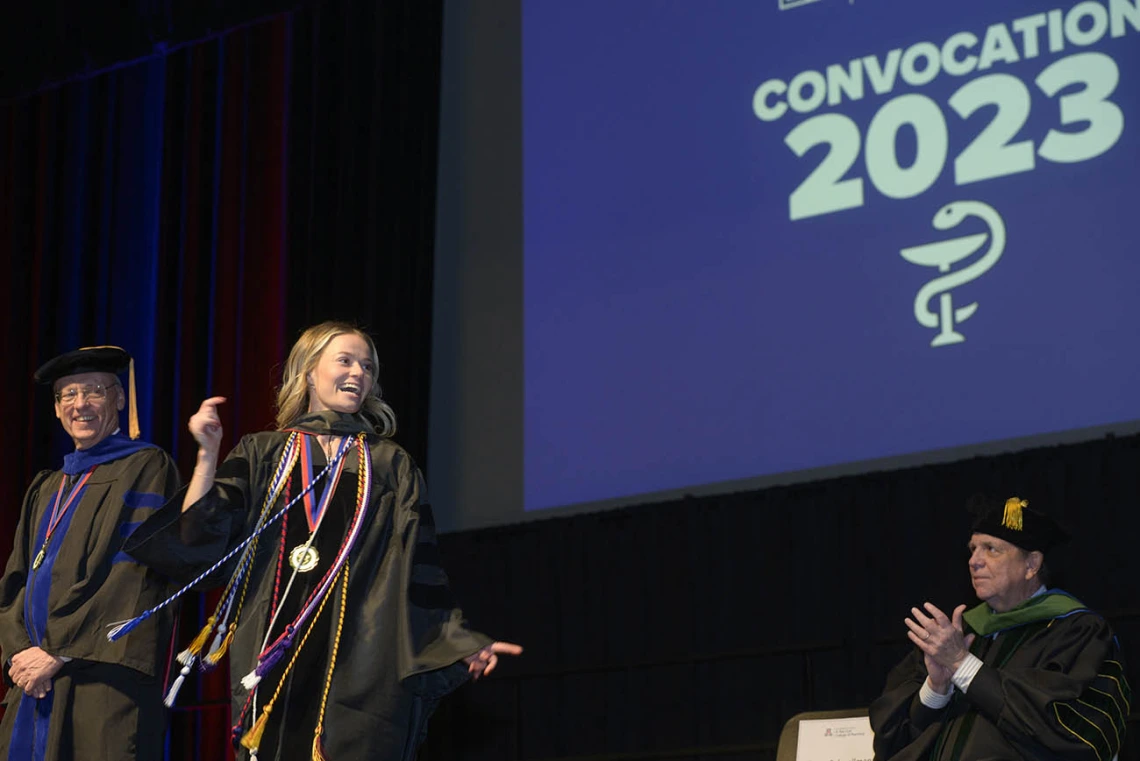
x=252, y=738
x=318, y=746
x=275, y=653
x=127, y=626
x=1011, y=516
x=219, y=652
x=133, y=409
x=269, y=660
x=221, y=635
x=172, y=694
x=187, y=656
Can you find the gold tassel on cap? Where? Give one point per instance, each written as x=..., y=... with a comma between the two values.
x=1011, y=517
x=133, y=406
x=133, y=415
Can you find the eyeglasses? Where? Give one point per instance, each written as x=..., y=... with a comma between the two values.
x=95, y=393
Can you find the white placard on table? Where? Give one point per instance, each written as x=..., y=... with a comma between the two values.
x=835, y=740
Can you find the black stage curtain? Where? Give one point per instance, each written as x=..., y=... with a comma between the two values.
x=361, y=210
x=694, y=629
x=47, y=42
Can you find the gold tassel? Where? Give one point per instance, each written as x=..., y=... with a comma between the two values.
x=199, y=642
x=133, y=406
x=133, y=414
x=252, y=738
x=318, y=750
x=215, y=656
x=318, y=747
x=1011, y=517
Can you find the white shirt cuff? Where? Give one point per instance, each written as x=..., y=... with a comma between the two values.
x=932, y=699
x=966, y=672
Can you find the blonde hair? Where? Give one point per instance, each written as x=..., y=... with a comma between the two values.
x=293, y=396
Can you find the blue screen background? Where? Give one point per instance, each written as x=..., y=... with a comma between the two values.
x=681, y=329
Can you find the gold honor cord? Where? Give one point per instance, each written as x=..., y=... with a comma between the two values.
x=318, y=745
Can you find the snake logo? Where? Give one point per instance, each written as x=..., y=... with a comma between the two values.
x=946, y=253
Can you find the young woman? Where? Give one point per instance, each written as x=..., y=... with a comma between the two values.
x=342, y=632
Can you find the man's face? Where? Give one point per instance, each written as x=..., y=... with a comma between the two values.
x=1001, y=572
x=86, y=420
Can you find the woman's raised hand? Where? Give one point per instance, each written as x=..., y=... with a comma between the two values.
x=205, y=425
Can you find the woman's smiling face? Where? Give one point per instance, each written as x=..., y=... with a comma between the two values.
x=343, y=377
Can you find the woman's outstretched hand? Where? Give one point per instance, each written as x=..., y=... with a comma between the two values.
x=484, y=661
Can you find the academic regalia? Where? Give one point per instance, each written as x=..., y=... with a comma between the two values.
x=1053, y=686
x=106, y=701
x=401, y=637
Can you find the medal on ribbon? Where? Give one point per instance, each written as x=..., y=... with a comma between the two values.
x=58, y=512
x=304, y=557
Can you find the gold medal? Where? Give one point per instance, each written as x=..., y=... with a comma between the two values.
x=39, y=559
x=303, y=558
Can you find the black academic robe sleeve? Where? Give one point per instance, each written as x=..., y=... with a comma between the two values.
x=1070, y=701
x=437, y=634
x=184, y=545
x=898, y=717
x=405, y=638
x=1062, y=694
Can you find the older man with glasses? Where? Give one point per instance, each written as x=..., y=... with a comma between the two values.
x=1030, y=673
x=72, y=693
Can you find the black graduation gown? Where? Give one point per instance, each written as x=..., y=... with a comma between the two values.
x=106, y=702
x=403, y=637
x=1048, y=690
